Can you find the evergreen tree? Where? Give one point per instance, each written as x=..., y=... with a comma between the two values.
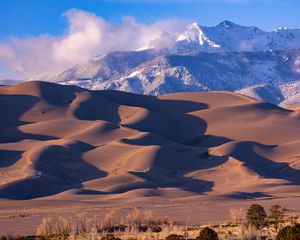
x=256, y=216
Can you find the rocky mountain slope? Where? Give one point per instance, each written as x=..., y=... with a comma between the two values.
x=224, y=57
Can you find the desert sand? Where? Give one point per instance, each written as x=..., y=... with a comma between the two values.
x=65, y=150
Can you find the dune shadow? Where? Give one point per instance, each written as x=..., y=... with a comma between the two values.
x=265, y=167
x=15, y=135
x=9, y=157
x=202, y=160
x=165, y=117
x=90, y=192
x=208, y=141
x=170, y=165
x=178, y=106
x=56, y=94
x=197, y=186
x=59, y=169
x=249, y=195
x=12, y=107
x=271, y=107
x=95, y=107
x=169, y=171
x=171, y=125
x=152, y=102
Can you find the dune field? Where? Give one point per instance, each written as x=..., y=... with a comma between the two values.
x=64, y=149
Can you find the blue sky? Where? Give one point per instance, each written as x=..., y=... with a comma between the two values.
x=33, y=17
x=40, y=37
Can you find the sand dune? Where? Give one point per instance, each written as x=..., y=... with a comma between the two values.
x=64, y=142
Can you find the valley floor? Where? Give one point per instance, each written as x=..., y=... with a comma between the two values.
x=23, y=217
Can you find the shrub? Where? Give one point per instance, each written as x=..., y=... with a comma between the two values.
x=110, y=237
x=289, y=233
x=135, y=218
x=155, y=229
x=83, y=226
x=120, y=228
x=61, y=227
x=174, y=237
x=207, y=234
x=46, y=227
x=9, y=237
x=25, y=238
x=256, y=216
x=111, y=219
x=237, y=216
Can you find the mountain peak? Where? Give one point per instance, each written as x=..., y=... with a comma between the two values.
x=227, y=24
x=280, y=29
x=196, y=37
x=194, y=25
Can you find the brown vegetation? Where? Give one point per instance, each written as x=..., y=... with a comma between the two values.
x=139, y=225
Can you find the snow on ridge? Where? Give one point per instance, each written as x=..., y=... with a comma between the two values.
x=227, y=57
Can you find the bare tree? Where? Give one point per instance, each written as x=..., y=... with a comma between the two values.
x=237, y=215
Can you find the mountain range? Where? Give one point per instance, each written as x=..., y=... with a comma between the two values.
x=228, y=56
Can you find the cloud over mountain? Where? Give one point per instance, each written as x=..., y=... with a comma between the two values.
x=87, y=35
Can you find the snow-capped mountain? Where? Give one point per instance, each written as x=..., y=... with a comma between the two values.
x=261, y=75
x=228, y=36
x=227, y=57
x=230, y=71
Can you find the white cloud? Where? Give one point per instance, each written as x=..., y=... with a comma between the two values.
x=6, y=52
x=87, y=35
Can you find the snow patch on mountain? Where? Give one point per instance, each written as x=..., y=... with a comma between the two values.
x=193, y=40
x=106, y=67
x=262, y=75
x=282, y=94
x=228, y=56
